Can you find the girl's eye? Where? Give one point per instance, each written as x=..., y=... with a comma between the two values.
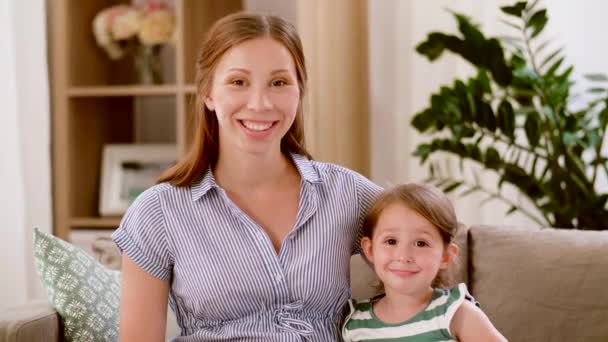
x=391, y=242
x=278, y=83
x=237, y=82
x=421, y=243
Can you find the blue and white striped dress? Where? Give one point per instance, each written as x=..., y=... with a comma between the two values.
x=227, y=281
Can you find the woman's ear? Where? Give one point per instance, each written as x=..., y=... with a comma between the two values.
x=366, y=246
x=449, y=255
x=209, y=103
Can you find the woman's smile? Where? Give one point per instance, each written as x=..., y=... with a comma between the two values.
x=258, y=129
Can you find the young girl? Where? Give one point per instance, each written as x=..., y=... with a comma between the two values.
x=408, y=236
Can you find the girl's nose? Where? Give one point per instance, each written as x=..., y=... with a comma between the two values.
x=406, y=260
x=406, y=256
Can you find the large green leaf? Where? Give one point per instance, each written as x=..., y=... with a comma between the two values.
x=472, y=35
x=436, y=43
x=554, y=67
x=506, y=119
x=516, y=175
x=496, y=62
x=515, y=10
x=423, y=151
x=532, y=127
x=596, y=77
x=492, y=158
x=537, y=22
x=550, y=57
x=452, y=186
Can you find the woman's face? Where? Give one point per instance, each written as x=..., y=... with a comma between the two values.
x=255, y=96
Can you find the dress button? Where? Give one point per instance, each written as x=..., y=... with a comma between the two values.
x=279, y=278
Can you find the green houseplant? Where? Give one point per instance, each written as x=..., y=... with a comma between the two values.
x=512, y=119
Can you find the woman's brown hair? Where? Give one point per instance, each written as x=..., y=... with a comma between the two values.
x=426, y=200
x=223, y=35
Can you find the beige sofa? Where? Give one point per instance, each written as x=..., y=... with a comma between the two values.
x=534, y=284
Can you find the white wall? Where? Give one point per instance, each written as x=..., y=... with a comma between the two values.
x=12, y=206
x=25, y=201
x=285, y=9
x=402, y=81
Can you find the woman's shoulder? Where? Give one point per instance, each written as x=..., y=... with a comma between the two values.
x=326, y=170
x=154, y=195
x=332, y=169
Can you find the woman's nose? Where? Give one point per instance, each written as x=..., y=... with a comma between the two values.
x=259, y=100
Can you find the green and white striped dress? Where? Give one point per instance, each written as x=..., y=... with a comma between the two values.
x=430, y=325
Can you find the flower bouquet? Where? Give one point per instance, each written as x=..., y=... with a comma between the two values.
x=141, y=31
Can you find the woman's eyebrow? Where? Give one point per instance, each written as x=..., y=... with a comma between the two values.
x=278, y=71
x=247, y=71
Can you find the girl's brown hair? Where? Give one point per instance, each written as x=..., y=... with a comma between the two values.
x=223, y=35
x=426, y=200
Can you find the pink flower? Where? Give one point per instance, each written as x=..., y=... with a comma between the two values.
x=119, y=27
x=151, y=6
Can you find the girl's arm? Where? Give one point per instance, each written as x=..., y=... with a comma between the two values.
x=470, y=324
x=143, y=304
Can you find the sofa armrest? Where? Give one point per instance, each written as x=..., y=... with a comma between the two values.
x=33, y=322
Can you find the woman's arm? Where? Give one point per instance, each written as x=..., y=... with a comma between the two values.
x=470, y=324
x=143, y=304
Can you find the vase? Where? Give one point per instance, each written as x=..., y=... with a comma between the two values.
x=148, y=65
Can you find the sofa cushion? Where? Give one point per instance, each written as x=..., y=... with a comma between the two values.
x=541, y=284
x=84, y=292
x=32, y=322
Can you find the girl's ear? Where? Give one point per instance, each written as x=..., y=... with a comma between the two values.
x=366, y=246
x=449, y=255
x=209, y=103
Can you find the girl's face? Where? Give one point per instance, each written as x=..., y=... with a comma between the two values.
x=407, y=251
x=255, y=96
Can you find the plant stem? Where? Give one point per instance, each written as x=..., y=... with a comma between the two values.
x=513, y=204
x=598, y=154
x=487, y=132
x=498, y=195
x=568, y=165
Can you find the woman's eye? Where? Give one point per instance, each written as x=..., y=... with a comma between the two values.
x=237, y=82
x=278, y=83
x=421, y=244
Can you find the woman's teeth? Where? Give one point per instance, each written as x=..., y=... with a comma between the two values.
x=257, y=126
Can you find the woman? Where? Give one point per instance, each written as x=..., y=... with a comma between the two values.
x=247, y=237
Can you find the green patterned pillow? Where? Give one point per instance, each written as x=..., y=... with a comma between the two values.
x=84, y=292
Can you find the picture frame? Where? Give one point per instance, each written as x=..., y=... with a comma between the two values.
x=129, y=169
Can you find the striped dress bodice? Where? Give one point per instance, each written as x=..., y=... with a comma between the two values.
x=432, y=324
x=227, y=282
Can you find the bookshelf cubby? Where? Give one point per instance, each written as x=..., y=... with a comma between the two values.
x=95, y=101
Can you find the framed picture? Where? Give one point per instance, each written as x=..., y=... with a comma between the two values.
x=127, y=170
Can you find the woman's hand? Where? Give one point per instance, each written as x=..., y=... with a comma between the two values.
x=143, y=304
